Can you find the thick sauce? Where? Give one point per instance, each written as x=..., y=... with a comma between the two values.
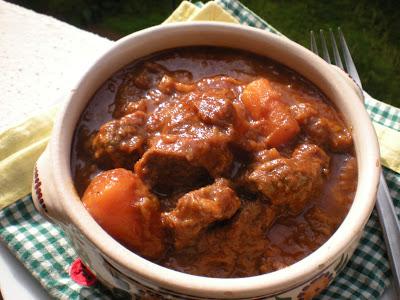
x=214, y=162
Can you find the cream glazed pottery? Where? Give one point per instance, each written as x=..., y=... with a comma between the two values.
x=126, y=273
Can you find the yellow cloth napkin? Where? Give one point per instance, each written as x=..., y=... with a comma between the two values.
x=20, y=147
x=389, y=142
x=182, y=12
x=211, y=11
x=22, y=144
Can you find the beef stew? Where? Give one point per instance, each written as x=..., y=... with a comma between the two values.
x=214, y=162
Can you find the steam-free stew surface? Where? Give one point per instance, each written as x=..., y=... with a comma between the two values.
x=214, y=162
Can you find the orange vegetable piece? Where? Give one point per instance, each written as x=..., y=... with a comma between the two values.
x=263, y=103
x=282, y=126
x=120, y=202
x=256, y=96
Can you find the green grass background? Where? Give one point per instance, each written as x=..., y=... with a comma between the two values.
x=371, y=27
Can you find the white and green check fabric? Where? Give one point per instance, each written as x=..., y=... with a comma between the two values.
x=43, y=249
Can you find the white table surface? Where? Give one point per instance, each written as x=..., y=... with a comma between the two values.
x=40, y=60
x=16, y=282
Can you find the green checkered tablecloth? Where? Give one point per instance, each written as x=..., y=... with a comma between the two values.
x=47, y=254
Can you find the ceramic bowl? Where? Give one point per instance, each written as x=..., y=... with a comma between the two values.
x=127, y=273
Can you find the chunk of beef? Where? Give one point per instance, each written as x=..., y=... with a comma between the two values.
x=120, y=142
x=289, y=182
x=137, y=86
x=229, y=249
x=177, y=117
x=214, y=98
x=302, y=112
x=343, y=192
x=219, y=82
x=200, y=113
x=166, y=171
x=200, y=208
x=135, y=106
x=325, y=130
x=215, y=107
x=322, y=123
x=169, y=84
x=175, y=162
x=274, y=259
x=321, y=222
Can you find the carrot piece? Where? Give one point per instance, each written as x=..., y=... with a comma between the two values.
x=263, y=103
x=282, y=126
x=255, y=97
x=119, y=201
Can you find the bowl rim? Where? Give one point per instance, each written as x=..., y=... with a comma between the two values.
x=345, y=235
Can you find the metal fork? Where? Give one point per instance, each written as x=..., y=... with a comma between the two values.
x=384, y=204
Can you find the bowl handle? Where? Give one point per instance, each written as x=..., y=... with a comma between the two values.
x=43, y=192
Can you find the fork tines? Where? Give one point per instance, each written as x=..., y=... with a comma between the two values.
x=350, y=67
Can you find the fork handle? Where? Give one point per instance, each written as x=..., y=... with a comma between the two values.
x=391, y=230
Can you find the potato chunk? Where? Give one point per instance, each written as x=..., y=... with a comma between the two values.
x=119, y=201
